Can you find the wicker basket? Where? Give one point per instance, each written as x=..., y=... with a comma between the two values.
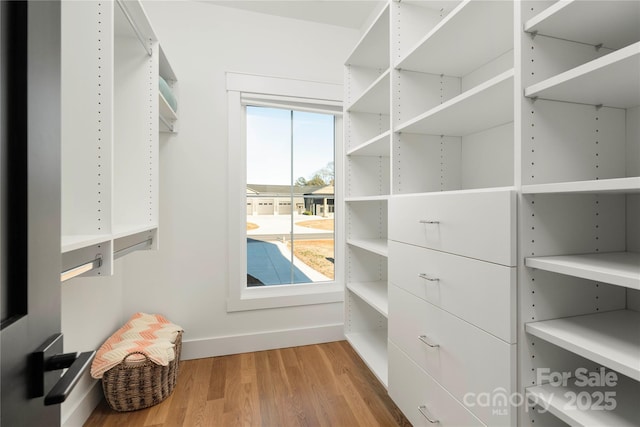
x=136, y=385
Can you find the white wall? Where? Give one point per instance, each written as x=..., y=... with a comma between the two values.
x=186, y=280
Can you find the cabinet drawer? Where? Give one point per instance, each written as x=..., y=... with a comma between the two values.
x=477, y=224
x=479, y=292
x=411, y=388
x=459, y=356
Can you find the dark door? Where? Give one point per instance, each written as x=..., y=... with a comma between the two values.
x=30, y=194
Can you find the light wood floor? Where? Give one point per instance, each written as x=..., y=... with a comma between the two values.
x=316, y=385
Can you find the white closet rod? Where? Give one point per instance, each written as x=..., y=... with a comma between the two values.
x=134, y=26
x=129, y=249
x=81, y=269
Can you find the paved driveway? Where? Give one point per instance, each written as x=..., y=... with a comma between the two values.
x=267, y=264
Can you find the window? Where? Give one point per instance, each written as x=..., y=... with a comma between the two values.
x=290, y=156
x=283, y=136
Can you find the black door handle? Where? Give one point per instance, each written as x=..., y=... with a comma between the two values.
x=46, y=360
x=63, y=387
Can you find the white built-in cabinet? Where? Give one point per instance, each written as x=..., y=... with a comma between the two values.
x=580, y=207
x=492, y=198
x=110, y=110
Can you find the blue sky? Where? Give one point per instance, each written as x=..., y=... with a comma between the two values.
x=269, y=149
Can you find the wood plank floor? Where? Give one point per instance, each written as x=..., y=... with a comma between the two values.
x=315, y=385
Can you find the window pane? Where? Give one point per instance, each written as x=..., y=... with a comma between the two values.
x=290, y=197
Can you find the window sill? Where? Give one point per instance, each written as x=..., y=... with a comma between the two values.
x=264, y=297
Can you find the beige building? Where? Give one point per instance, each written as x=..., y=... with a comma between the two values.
x=285, y=199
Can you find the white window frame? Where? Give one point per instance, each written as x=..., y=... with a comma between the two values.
x=301, y=95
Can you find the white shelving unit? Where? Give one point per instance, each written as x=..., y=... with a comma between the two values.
x=616, y=268
x=538, y=98
x=367, y=188
x=559, y=401
x=373, y=293
x=465, y=114
x=110, y=57
x=167, y=116
x=612, y=81
x=611, y=339
x=478, y=30
x=579, y=221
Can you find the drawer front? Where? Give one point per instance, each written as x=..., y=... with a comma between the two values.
x=411, y=388
x=461, y=357
x=479, y=292
x=479, y=225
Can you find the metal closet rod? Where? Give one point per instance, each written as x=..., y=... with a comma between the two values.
x=80, y=269
x=97, y=263
x=124, y=10
x=129, y=249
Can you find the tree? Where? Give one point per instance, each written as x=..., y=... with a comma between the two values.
x=320, y=178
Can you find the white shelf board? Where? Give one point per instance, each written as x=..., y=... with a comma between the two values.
x=614, y=24
x=611, y=339
x=373, y=293
x=376, y=98
x=485, y=106
x=377, y=246
x=165, y=109
x=378, y=146
x=372, y=50
x=372, y=348
x=70, y=243
x=129, y=230
x=557, y=399
x=165, y=69
x=614, y=185
x=610, y=80
x=473, y=34
x=376, y=198
x=616, y=268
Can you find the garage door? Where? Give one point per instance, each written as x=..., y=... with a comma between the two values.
x=265, y=207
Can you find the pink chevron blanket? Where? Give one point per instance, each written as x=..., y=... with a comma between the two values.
x=151, y=334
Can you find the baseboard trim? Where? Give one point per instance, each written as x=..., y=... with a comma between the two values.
x=234, y=344
x=81, y=413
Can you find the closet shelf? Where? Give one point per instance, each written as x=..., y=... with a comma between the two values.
x=372, y=51
x=614, y=185
x=72, y=242
x=611, y=81
x=372, y=348
x=375, y=99
x=616, y=268
x=557, y=399
x=470, y=36
x=467, y=113
x=376, y=198
x=376, y=246
x=373, y=293
x=611, y=339
x=165, y=109
x=377, y=146
x=124, y=231
x=612, y=24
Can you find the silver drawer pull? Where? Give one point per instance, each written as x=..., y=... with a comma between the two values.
x=423, y=411
x=426, y=221
x=426, y=277
x=425, y=340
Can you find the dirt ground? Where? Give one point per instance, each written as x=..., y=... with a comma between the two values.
x=320, y=224
x=317, y=254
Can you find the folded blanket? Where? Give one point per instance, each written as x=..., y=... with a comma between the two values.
x=167, y=92
x=151, y=334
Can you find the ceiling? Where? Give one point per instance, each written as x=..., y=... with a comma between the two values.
x=343, y=13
